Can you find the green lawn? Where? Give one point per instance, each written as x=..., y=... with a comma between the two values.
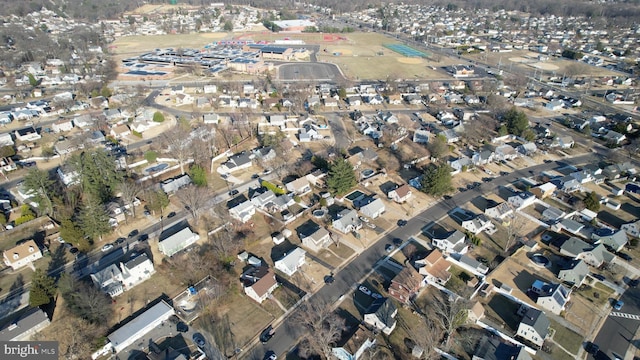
x=598, y=294
x=569, y=339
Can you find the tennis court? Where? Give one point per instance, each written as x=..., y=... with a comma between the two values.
x=405, y=50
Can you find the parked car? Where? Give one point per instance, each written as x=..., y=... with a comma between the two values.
x=234, y=192
x=73, y=250
x=143, y=237
x=329, y=279
x=618, y=305
x=388, y=248
x=134, y=233
x=592, y=348
x=402, y=222
x=255, y=176
x=364, y=219
x=107, y=247
x=171, y=214
x=365, y=290
x=625, y=256
x=371, y=225
x=267, y=334
x=270, y=355
x=634, y=283
x=120, y=240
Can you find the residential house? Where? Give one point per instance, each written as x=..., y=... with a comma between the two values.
x=405, y=285
x=552, y=214
x=178, y=241
x=478, y=224
x=534, y=326
x=498, y=211
x=7, y=165
x=381, y=315
x=583, y=176
x=551, y=297
x=421, y=136
x=27, y=134
x=292, y=261
x=574, y=272
x=243, y=211
x=521, y=200
x=614, y=137
x=264, y=153
x=632, y=228
x=527, y=149
x=62, y=125
x=347, y=221
x=459, y=164
x=400, y=194
x=372, y=208
x=25, y=326
x=597, y=256
x=355, y=346
x=114, y=280
x=6, y=139
x=259, y=283
x=22, y=255
x=120, y=131
x=505, y=152
x=572, y=246
x=450, y=135
x=237, y=162
x=454, y=242
x=568, y=184
x=211, y=118
x=493, y=348
x=565, y=142
x=263, y=199
x=544, y=190
x=470, y=264
x=138, y=327
x=482, y=157
x=435, y=268
x=299, y=186
x=555, y=105
x=570, y=226
x=615, y=239
x=317, y=240
x=170, y=186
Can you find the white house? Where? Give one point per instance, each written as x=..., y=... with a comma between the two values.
x=6, y=139
x=521, y=200
x=551, y=297
x=299, y=186
x=237, y=162
x=22, y=255
x=178, y=241
x=347, y=221
x=632, y=228
x=381, y=315
x=317, y=240
x=243, y=212
x=452, y=243
x=400, y=194
x=534, y=326
x=114, y=280
x=259, y=282
x=27, y=134
x=478, y=224
x=292, y=261
x=62, y=125
x=373, y=209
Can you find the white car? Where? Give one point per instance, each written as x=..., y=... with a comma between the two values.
x=107, y=247
x=365, y=290
x=371, y=225
x=364, y=219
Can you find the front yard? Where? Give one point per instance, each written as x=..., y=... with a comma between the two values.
x=569, y=339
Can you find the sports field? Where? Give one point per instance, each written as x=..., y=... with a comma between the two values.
x=137, y=44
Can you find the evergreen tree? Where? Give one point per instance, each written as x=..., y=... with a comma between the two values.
x=156, y=200
x=94, y=220
x=592, y=202
x=198, y=175
x=43, y=289
x=72, y=234
x=516, y=121
x=341, y=177
x=436, y=180
x=98, y=174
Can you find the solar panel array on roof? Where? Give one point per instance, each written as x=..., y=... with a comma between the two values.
x=274, y=49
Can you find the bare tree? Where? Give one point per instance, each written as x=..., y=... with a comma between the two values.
x=448, y=313
x=178, y=143
x=322, y=326
x=514, y=230
x=193, y=198
x=129, y=192
x=224, y=243
x=424, y=334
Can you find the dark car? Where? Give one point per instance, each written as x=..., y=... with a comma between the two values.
x=120, y=240
x=270, y=355
x=402, y=222
x=198, y=339
x=634, y=283
x=171, y=214
x=598, y=276
x=182, y=327
x=233, y=192
x=255, y=176
x=625, y=256
x=329, y=279
x=592, y=348
x=267, y=334
x=504, y=173
x=73, y=250
x=143, y=237
x=447, y=197
x=388, y=248
x=134, y=233
x=397, y=241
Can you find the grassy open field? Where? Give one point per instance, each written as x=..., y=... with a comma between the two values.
x=569, y=339
x=136, y=44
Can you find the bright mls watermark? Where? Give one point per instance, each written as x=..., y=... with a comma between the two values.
x=31, y=350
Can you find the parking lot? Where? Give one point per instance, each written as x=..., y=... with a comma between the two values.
x=309, y=71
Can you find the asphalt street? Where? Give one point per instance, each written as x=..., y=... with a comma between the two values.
x=617, y=334
x=348, y=278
